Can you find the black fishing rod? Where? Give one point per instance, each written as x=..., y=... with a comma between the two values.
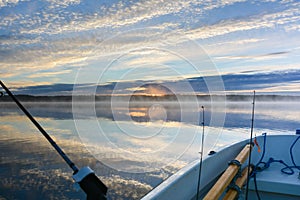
x=201, y=154
x=94, y=188
x=251, y=142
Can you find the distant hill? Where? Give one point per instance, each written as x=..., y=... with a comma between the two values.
x=141, y=98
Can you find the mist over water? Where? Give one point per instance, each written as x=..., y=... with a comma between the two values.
x=31, y=169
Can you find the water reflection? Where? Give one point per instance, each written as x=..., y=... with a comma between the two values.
x=278, y=115
x=31, y=169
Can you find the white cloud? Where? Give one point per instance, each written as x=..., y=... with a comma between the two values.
x=56, y=21
x=283, y=87
x=4, y=3
x=253, y=57
x=46, y=74
x=63, y=3
x=288, y=17
x=53, y=19
x=237, y=42
x=293, y=27
x=70, y=36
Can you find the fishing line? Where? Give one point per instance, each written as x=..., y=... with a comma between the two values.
x=251, y=138
x=201, y=153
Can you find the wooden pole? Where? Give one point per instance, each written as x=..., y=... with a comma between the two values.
x=232, y=193
x=219, y=187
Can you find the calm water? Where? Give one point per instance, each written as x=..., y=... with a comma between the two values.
x=132, y=147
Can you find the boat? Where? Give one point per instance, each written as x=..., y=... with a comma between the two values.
x=273, y=172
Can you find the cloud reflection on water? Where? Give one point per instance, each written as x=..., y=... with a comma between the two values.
x=31, y=169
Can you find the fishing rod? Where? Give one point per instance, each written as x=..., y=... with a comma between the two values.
x=201, y=154
x=94, y=188
x=251, y=141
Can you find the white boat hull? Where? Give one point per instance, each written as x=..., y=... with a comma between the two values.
x=272, y=183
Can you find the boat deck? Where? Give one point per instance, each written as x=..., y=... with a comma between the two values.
x=273, y=181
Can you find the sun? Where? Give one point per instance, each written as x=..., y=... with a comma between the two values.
x=154, y=92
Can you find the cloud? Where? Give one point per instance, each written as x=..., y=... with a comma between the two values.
x=256, y=57
x=46, y=74
x=54, y=18
x=50, y=36
x=283, y=87
x=293, y=27
x=17, y=85
x=8, y=3
x=287, y=16
x=236, y=41
x=45, y=89
x=31, y=59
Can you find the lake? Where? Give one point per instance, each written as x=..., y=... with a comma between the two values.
x=132, y=147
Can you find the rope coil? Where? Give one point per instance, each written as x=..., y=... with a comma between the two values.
x=235, y=187
x=237, y=163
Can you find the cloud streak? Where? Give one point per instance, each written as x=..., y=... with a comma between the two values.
x=50, y=40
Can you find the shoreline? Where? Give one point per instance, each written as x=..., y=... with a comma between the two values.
x=147, y=98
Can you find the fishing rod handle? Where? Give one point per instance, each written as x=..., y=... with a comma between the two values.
x=90, y=184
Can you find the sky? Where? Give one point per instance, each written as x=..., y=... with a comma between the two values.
x=56, y=44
